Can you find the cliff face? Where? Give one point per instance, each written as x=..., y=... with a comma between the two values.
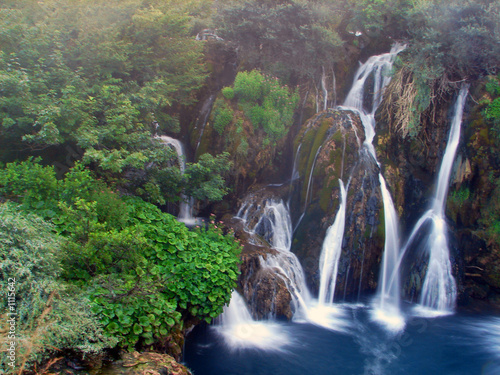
x=330, y=149
x=327, y=147
x=411, y=166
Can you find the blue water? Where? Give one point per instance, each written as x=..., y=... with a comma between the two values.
x=455, y=344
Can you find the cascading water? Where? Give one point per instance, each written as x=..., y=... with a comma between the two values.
x=324, y=89
x=387, y=308
x=330, y=253
x=186, y=204
x=240, y=330
x=204, y=114
x=323, y=312
x=439, y=290
x=274, y=224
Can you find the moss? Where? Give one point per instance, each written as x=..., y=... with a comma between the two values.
x=318, y=141
x=206, y=141
x=338, y=138
x=380, y=232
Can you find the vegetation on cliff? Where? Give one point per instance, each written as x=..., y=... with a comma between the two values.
x=85, y=184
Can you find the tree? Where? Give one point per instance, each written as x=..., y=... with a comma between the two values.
x=285, y=38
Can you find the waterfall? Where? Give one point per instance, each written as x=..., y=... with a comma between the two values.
x=204, y=113
x=239, y=330
x=324, y=89
x=310, y=176
x=187, y=203
x=330, y=253
x=389, y=285
x=295, y=173
x=387, y=309
x=274, y=224
x=439, y=290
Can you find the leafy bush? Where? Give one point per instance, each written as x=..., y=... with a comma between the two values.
x=228, y=93
x=266, y=102
x=29, y=180
x=248, y=85
x=50, y=315
x=492, y=111
x=142, y=269
x=222, y=116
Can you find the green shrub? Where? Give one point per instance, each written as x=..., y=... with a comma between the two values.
x=266, y=102
x=222, y=116
x=228, y=93
x=50, y=315
x=248, y=86
x=33, y=182
x=141, y=268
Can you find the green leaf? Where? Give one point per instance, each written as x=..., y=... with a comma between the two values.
x=169, y=321
x=112, y=327
x=144, y=321
x=137, y=329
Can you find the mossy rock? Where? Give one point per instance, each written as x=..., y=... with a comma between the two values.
x=145, y=364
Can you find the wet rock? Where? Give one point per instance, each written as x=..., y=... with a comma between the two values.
x=263, y=289
x=145, y=364
x=331, y=148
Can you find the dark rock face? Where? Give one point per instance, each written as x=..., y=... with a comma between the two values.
x=265, y=292
x=412, y=165
x=333, y=142
x=146, y=363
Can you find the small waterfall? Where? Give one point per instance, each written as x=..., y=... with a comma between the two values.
x=310, y=176
x=278, y=232
x=187, y=203
x=274, y=224
x=388, y=300
x=204, y=113
x=439, y=290
x=324, y=89
x=239, y=330
x=389, y=288
x=334, y=89
x=330, y=253
x=295, y=173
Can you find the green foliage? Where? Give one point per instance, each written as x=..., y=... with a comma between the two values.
x=228, y=93
x=142, y=269
x=29, y=180
x=290, y=39
x=204, y=179
x=457, y=39
x=50, y=314
x=492, y=111
x=266, y=102
x=248, y=85
x=380, y=18
x=96, y=76
x=222, y=115
x=459, y=197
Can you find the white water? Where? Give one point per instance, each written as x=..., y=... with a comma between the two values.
x=439, y=291
x=324, y=89
x=240, y=331
x=330, y=253
x=310, y=176
x=386, y=306
x=274, y=224
x=204, y=114
x=186, y=204
x=279, y=232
